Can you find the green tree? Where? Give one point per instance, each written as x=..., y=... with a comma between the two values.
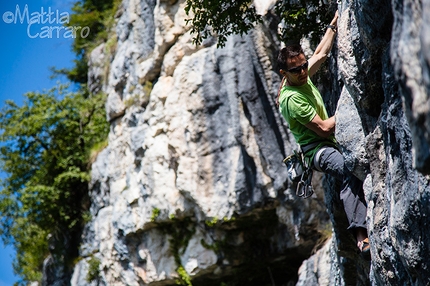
x=45, y=147
x=223, y=18
x=304, y=18
x=98, y=17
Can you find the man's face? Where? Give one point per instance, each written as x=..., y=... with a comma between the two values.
x=297, y=72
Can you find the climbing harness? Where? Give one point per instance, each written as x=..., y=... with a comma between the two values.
x=317, y=157
x=300, y=172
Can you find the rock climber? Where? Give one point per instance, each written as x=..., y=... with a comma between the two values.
x=303, y=108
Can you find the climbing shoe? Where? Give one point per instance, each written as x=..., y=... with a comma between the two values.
x=365, y=249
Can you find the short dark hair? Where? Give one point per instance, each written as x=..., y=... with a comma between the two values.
x=288, y=52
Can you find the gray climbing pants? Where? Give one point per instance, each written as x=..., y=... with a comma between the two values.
x=331, y=162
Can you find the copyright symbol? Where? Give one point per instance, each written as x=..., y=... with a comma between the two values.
x=8, y=17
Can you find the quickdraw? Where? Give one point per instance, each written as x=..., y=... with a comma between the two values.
x=304, y=187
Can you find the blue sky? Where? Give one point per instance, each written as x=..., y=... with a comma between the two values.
x=26, y=54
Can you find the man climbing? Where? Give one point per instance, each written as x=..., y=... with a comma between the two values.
x=302, y=107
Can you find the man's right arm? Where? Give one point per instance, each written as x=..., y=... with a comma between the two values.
x=323, y=48
x=323, y=128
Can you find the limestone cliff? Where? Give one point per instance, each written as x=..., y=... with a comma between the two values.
x=192, y=186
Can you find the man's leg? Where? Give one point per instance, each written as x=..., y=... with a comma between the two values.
x=351, y=194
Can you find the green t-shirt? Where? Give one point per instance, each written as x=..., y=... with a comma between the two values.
x=304, y=102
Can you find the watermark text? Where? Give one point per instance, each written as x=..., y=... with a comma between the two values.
x=46, y=23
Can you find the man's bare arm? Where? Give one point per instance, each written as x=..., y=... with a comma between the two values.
x=323, y=128
x=323, y=48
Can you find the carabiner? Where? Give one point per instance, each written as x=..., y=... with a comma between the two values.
x=299, y=191
x=304, y=187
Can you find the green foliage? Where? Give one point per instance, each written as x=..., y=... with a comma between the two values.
x=147, y=88
x=33, y=243
x=86, y=217
x=98, y=16
x=222, y=18
x=141, y=99
x=96, y=149
x=133, y=99
x=212, y=222
x=180, y=232
x=304, y=18
x=93, y=269
x=185, y=277
x=326, y=232
x=44, y=150
x=155, y=214
x=301, y=18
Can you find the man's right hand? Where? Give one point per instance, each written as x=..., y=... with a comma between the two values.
x=323, y=128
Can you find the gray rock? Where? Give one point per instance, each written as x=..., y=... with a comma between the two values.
x=350, y=136
x=192, y=184
x=410, y=58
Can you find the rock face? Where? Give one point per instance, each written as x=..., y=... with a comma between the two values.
x=382, y=59
x=192, y=186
